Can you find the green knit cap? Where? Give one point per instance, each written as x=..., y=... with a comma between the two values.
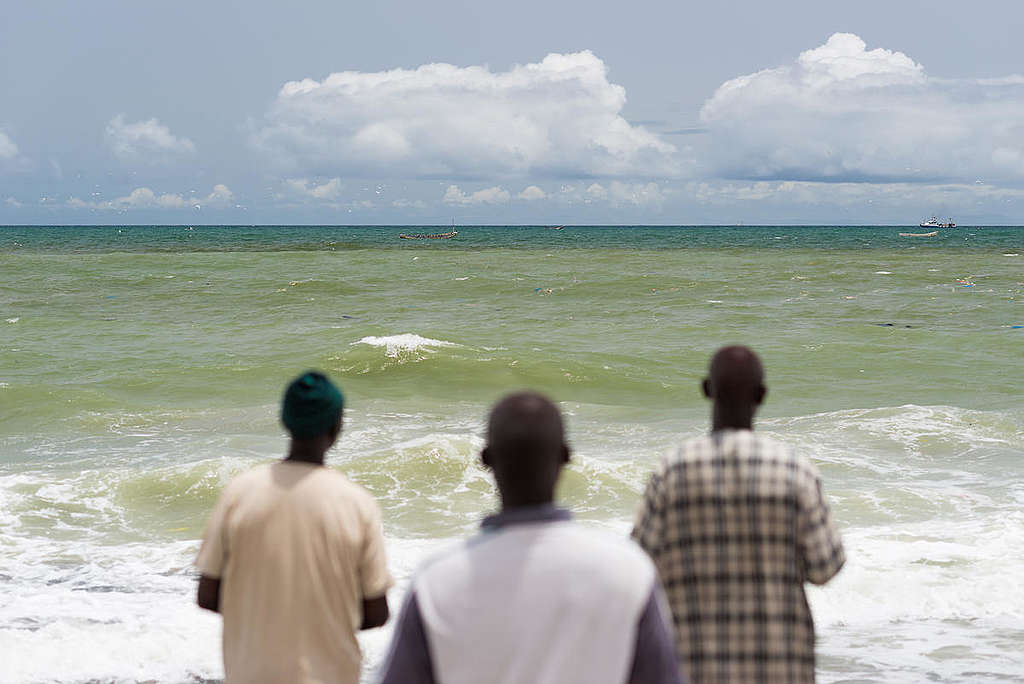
x=311, y=405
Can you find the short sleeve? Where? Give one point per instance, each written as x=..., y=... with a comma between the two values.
x=375, y=579
x=213, y=553
x=654, y=655
x=822, y=548
x=648, y=528
x=408, y=660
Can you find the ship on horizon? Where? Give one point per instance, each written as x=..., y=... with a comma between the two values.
x=934, y=222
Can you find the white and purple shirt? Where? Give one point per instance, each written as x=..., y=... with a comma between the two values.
x=535, y=598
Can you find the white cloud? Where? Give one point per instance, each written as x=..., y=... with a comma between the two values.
x=139, y=198
x=531, y=193
x=558, y=117
x=302, y=187
x=144, y=198
x=618, y=193
x=894, y=197
x=409, y=204
x=221, y=196
x=12, y=202
x=649, y=194
x=495, y=195
x=1013, y=79
x=842, y=112
x=8, y=150
x=146, y=141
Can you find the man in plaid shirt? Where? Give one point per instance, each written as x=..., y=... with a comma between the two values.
x=736, y=524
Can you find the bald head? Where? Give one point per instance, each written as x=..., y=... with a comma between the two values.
x=735, y=384
x=525, y=448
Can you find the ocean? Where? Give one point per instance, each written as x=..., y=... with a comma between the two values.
x=141, y=367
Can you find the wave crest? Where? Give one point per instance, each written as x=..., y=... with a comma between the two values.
x=404, y=344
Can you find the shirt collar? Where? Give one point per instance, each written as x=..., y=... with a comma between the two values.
x=548, y=512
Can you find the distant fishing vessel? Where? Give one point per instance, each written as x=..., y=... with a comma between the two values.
x=430, y=236
x=933, y=222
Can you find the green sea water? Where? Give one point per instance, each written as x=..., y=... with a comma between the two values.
x=140, y=368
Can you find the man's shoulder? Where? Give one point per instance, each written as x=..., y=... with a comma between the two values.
x=286, y=478
x=333, y=477
x=312, y=475
x=533, y=562
x=614, y=550
x=246, y=480
x=745, y=442
x=448, y=553
x=568, y=542
x=336, y=485
x=599, y=562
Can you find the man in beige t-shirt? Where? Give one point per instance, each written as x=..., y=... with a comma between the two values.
x=293, y=556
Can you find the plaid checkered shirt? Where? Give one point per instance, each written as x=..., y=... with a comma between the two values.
x=736, y=523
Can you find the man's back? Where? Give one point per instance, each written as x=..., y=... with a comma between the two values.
x=493, y=609
x=735, y=524
x=533, y=597
x=296, y=546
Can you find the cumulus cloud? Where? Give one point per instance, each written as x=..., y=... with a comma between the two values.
x=558, y=117
x=328, y=190
x=11, y=158
x=495, y=195
x=220, y=196
x=842, y=112
x=146, y=141
x=8, y=150
x=144, y=198
x=139, y=198
x=618, y=193
x=894, y=196
x=531, y=193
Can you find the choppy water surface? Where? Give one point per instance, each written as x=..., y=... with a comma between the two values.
x=140, y=368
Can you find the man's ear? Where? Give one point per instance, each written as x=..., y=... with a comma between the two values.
x=705, y=387
x=762, y=392
x=485, y=458
x=336, y=430
x=566, y=453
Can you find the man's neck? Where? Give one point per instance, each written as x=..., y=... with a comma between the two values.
x=514, y=502
x=536, y=513
x=301, y=454
x=731, y=419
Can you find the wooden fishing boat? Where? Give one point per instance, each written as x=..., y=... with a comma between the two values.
x=931, y=234
x=429, y=236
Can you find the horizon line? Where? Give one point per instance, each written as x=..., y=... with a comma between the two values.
x=496, y=225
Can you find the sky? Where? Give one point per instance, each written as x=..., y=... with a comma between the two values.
x=546, y=113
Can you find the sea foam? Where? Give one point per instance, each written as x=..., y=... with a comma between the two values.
x=406, y=343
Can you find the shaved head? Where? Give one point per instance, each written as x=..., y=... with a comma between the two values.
x=735, y=371
x=525, y=448
x=735, y=384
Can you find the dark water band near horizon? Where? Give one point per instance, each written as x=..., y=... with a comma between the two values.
x=134, y=238
x=141, y=368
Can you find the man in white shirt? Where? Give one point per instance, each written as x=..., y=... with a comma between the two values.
x=293, y=556
x=534, y=598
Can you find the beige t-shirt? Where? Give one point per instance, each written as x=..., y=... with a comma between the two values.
x=297, y=548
